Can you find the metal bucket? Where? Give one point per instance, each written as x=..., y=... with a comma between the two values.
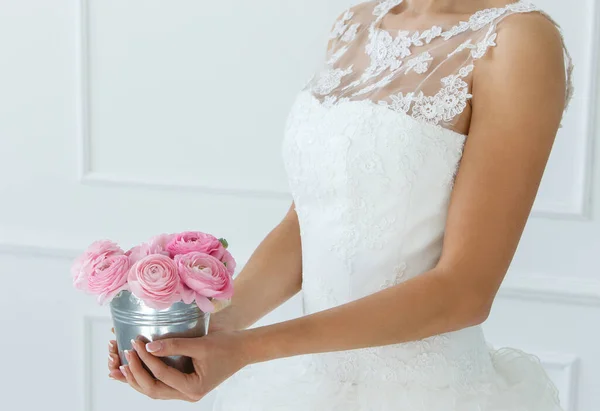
x=132, y=319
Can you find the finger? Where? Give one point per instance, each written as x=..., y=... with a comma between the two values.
x=168, y=375
x=112, y=330
x=113, y=362
x=125, y=370
x=173, y=346
x=117, y=375
x=112, y=347
x=150, y=387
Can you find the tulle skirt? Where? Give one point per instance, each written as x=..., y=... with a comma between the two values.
x=518, y=382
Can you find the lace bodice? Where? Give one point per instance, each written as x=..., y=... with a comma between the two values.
x=371, y=155
x=425, y=73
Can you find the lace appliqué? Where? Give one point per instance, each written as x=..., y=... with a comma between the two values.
x=384, y=7
x=329, y=80
x=343, y=30
x=484, y=17
x=399, y=276
x=477, y=50
x=394, y=54
x=350, y=34
x=340, y=26
x=419, y=64
x=449, y=102
x=385, y=52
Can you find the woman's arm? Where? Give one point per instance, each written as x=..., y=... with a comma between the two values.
x=519, y=95
x=272, y=275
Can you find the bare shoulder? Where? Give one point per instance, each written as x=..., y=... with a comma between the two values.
x=534, y=28
x=528, y=54
x=533, y=37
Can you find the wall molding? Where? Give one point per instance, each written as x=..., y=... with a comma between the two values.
x=85, y=172
x=568, y=366
x=579, y=210
x=591, y=106
x=546, y=288
x=87, y=363
x=38, y=251
x=83, y=94
x=94, y=178
x=564, y=364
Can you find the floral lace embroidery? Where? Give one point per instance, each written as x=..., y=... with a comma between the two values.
x=399, y=276
x=449, y=102
x=392, y=55
x=343, y=30
x=384, y=7
x=330, y=80
x=329, y=101
x=419, y=64
x=477, y=50
x=484, y=17
x=340, y=26
x=400, y=102
x=385, y=52
x=350, y=34
x=421, y=363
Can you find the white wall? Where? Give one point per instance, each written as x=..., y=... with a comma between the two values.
x=201, y=90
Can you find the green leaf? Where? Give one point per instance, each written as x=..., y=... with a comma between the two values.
x=224, y=242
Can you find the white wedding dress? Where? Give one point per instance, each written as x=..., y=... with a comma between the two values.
x=371, y=151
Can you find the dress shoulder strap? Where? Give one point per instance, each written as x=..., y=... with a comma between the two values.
x=423, y=73
x=487, y=21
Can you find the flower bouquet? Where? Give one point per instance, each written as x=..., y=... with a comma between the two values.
x=164, y=288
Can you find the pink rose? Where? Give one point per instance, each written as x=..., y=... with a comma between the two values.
x=109, y=278
x=161, y=241
x=195, y=241
x=204, y=276
x=144, y=250
x=155, y=280
x=101, y=270
x=229, y=262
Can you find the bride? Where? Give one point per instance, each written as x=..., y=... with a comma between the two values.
x=413, y=157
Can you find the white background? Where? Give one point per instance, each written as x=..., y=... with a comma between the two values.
x=125, y=118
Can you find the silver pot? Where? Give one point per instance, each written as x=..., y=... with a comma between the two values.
x=132, y=319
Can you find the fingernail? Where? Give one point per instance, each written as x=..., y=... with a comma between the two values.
x=128, y=355
x=122, y=368
x=153, y=346
x=133, y=343
x=111, y=346
x=110, y=358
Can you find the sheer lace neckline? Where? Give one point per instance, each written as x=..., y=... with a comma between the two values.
x=384, y=8
x=407, y=117
x=423, y=74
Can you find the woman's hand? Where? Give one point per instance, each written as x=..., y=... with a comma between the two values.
x=218, y=323
x=215, y=357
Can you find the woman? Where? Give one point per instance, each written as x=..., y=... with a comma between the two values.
x=413, y=157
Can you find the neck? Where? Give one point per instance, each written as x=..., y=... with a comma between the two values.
x=441, y=6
